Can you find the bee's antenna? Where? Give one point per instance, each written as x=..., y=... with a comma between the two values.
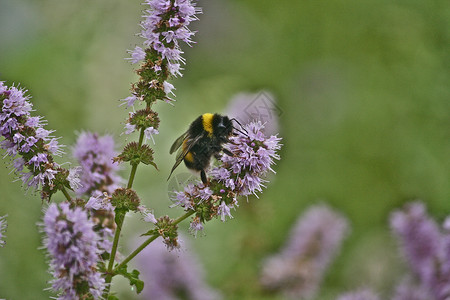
x=246, y=133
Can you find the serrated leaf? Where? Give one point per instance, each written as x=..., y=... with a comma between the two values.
x=132, y=277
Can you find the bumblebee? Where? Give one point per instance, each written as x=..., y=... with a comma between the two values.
x=201, y=141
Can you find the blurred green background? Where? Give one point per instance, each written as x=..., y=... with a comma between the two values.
x=364, y=87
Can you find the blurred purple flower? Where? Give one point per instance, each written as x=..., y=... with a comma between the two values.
x=359, y=295
x=425, y=246
x=408, y=290
x=248, y=107
x=3, y=225
x=298, y=269
x=94, y=153
x=25, y=136
x=98, y=180
x=167, y=274
x=73, y=248
x=74, y=177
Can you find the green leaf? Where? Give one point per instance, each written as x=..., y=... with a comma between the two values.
x=132, y=277
x=150, y=232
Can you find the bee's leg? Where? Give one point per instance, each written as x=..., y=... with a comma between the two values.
x=227, y=152
x=217, y=156
x=203, y=177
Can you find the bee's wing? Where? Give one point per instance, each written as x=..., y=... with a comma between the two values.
x=178, y=142
x=182, y=154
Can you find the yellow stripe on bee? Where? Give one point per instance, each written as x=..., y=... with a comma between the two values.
x=184, y=144
x=189, y=157
x=207, y=123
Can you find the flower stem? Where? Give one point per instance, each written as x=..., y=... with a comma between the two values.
x=134, y=167
x=109, y=271
x=66, y=194
x=148, y=241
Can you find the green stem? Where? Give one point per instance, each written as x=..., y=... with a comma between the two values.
x=109, y=271
x=113, y=254
x=66, y=194
x=148, y=241
x=134, y=167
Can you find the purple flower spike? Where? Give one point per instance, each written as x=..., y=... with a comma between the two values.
x=408, y=290
x=25, y=136
x=298, y=269
x=254, y=155
x=420, y=237
x=166, y=274
x=94, y=153
x=426, y=248
x=72, y=245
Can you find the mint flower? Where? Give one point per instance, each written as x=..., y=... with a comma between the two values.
x=254, y=155
x=408, y=290
x=3, y=225
x=94, y=153
x=163, y=28
x=426, y=247
x=98, y=180
x=149, y=132
x=137, y=55
x=298, y=269
x=72, y=246
x=164, y=25
x=28, y=142
x=172, y=275
x=240, y=174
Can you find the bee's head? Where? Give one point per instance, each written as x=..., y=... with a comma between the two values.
x=222, y=125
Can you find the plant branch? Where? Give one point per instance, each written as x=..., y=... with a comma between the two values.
x=109, y=273
x=66, y=194
x=148, y=241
